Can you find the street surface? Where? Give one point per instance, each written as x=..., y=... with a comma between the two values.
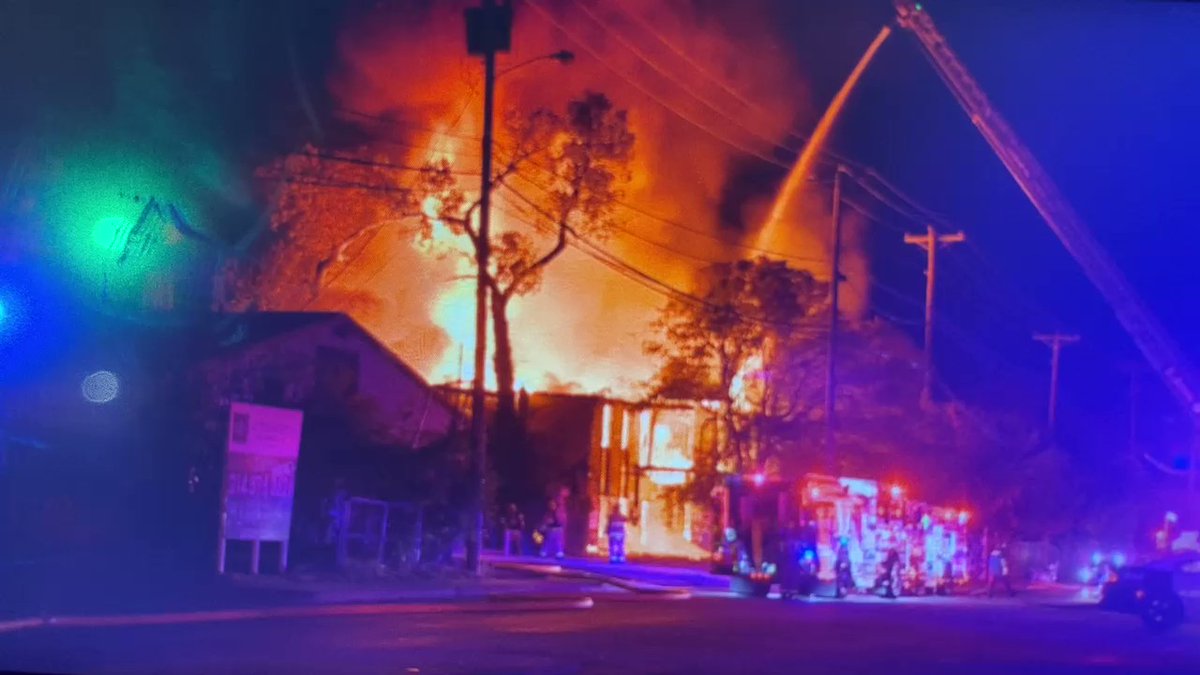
x=627, y=633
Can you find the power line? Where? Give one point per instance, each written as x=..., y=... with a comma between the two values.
x=915, y=216
x=685, y=228
x=574, y=37
x=394, y=122
x=673, y=292
x=872, y=280
x=636, y=51
x=337, y=184
x=923, y=211
x=610, y=258
x=682, y=54
x=390, y=166
x=709, y=235
x=912, y=209
x=628, y=270
x=457, y=120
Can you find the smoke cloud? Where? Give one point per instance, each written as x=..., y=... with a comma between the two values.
x=707, y=86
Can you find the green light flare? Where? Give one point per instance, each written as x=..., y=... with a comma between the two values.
x=91, y=202
x=111, y=233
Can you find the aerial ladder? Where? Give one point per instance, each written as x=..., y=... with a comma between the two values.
x=1162, y=353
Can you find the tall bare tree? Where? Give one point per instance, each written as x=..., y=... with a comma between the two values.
x=560, y=172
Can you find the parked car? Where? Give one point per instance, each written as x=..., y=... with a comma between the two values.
x=1163, y=592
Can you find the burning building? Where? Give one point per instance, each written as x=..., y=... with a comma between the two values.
x=405, y=81
x=631, y=456
x=592, y=454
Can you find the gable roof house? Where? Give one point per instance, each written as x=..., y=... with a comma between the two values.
x=141, y=467
x=373, y=428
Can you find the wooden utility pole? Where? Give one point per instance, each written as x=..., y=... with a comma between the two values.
x=1055, y=341
x=930, y=242
x=835, y=276
x=489, y=30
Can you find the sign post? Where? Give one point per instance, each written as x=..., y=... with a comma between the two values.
x=260, y=479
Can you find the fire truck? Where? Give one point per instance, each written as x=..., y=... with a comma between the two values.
x=765, y=537
x=788, y=532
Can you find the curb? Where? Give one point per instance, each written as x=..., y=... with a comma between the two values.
x=490, y=604
x=19, y=624
x=624, y=584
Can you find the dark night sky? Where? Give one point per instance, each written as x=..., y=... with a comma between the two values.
x=1103, y=91
x=1104, y=94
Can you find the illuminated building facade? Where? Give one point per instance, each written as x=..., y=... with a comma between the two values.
x=633, y=456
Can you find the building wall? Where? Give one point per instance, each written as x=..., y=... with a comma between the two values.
x=630, y=455
x=561, y=431
x=296, y=369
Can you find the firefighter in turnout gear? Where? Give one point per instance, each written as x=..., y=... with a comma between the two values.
x=845, y=577
x=616, y=535
x=889, y=577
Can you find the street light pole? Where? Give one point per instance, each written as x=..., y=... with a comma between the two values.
x=835, y=276
x=489, y=30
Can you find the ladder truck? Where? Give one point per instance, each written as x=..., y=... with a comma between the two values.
x=1159, y=350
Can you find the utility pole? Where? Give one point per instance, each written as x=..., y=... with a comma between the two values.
x=835, y=276
x=489, y=30
x=930, y=242
x=1055, y=341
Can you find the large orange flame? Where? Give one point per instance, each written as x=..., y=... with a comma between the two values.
x=585, y=327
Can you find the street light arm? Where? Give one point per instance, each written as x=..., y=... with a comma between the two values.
x=563, y=56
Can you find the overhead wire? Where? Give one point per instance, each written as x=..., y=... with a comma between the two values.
x=910, y=209
x=648, y=92
x=698, y=67
x=543, y=188
x=907, y=207
x=604, y=257
x=641, y=55
x=390, y=166
x=608, y=257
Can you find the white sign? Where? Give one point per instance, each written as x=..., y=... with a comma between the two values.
x=260, y=472
x=264, y=431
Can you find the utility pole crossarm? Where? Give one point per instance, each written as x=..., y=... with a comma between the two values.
x=930, y=242
x=1163, y=354
x=1055, y=338
x=1055, y=342
x=923, y=240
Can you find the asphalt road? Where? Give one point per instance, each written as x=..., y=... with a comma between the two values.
x=636, y=635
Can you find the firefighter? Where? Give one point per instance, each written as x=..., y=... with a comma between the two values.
x=845, y=576
x=889, y=578
x=947, y=563
x=514, y=529
x=616, y=535
x=552, y=544
x=998, y=573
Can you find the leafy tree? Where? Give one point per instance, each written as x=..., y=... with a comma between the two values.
x=744, y=314
x=583, y=158
x=561, y=173
x=764, y=364
x=323, y=208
